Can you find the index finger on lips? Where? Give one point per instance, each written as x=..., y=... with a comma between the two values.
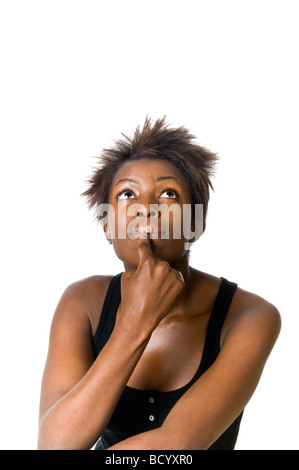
x=145, y=249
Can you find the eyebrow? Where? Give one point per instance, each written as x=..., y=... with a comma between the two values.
x=158, y=179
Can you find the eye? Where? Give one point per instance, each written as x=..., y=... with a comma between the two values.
x=172, y=192
x=122, y=194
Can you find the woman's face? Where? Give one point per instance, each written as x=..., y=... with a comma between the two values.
x=138, y=188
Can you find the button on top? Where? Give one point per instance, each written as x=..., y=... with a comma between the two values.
x=151, y=400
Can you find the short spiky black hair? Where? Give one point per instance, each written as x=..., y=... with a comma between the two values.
x=156, y=140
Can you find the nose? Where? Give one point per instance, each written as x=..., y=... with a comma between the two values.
x=147, y=211
x=147, y=215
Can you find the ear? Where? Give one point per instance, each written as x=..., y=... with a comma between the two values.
x=107, y=233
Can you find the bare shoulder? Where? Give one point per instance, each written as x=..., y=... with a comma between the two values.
x=250, y=330
x=247, y=310
x=86, y=296
x=245, y=301
x=70, y=353
x=255, y=315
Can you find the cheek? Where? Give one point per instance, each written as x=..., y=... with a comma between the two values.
x=120, y=248
x=174, y=222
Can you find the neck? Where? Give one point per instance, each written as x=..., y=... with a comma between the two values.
x=182, y=265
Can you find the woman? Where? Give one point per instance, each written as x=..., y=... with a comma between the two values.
x=162, y=355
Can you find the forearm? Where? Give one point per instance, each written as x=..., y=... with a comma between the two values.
x=80, y=416
x=156, y=439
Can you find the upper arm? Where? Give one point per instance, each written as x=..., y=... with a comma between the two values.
x=70, y=352
x=208, y=408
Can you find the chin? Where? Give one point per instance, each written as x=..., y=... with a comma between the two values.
x=166, y=250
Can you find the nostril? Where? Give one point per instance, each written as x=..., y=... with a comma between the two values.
x=153, y=213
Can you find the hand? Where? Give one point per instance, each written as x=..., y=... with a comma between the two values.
x=149, y=293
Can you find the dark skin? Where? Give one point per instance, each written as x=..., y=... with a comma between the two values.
x=158, y=337
x=160, y=362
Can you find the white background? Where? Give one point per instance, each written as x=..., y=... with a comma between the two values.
x=74, y=74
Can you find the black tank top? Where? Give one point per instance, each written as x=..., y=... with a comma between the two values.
x=138, y=411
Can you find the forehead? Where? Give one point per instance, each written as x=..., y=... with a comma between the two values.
x=147, y=169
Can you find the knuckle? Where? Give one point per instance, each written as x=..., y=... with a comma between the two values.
x=165, y=266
